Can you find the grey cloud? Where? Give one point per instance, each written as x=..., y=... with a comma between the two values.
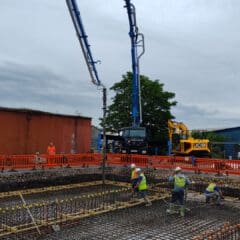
x=196, y=117
x=191, y=46
x=29, y=86
x=195, y=110
x=26, y=75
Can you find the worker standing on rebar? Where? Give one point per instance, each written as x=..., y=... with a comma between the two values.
x=180, y=182
x=213, y=192
x=141, y=185
x=133, y=177
x=51, y=150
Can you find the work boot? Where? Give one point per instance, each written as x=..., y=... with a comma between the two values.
x=182, y=211
x=207, y=200
x=170, y=210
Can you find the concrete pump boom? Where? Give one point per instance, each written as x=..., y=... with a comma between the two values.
x=82, y=37
x=137, y=40
x=83, y=40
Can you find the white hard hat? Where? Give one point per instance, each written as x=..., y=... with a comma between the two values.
x=177, y=169
x=133, y=165
x=138, y=170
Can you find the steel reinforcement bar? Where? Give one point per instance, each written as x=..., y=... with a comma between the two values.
x=16, y=219
x=51, y=189
x=225, y=232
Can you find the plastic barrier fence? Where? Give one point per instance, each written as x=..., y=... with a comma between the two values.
x=207, y=165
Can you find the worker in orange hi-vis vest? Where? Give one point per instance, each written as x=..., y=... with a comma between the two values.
x=51, y=150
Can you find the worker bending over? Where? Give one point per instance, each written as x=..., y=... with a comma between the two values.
x=180, y=183
x=214, y=193
x=134, y=177
x=141, y=185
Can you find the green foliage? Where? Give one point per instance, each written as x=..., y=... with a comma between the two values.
x=156, y=106
x=211, y=136
x=217, y=150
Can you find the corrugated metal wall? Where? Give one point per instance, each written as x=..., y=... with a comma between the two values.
x=27, y=132
x=232, y=136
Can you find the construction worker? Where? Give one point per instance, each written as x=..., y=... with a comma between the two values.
x=134, y=177
x=180, y=182
x=39, y=159
x=141, y=185
x=51, y=150
x=214, y=193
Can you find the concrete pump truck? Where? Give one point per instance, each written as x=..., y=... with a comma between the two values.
x=133, y=139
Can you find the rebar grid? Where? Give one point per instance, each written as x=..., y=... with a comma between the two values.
x=86, y=202
x=153, y=223
x=66, y=207
x=226, y=231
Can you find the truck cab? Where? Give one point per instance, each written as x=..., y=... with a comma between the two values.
x=133, y=140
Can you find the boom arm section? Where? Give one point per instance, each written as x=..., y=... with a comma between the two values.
x=137, y=40
x=83, y=40
x=82, y=37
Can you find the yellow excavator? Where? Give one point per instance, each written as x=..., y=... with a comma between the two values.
x=181, y=142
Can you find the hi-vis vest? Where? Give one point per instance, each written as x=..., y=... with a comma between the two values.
x=143, y=184
x=51, y=150
x=179, y=181
x=211, y=187
x=133, y=174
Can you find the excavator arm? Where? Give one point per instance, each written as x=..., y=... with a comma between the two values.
x=178, y=128
x=181, y=142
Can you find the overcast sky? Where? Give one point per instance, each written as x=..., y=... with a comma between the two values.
x=192, y=46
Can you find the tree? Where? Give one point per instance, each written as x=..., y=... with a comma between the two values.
x=156, y=106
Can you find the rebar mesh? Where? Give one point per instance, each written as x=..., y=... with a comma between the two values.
x=152, y=223
x=202, y=222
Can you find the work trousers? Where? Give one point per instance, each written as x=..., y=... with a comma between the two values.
x=178, y=197
x=214, y=195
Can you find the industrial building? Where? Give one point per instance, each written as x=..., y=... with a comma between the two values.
x=27, y=131
x=231, y=144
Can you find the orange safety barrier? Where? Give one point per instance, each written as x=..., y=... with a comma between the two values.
x=171, y=162
x=127, y=159
x=208, y=165
x=118, y=159
x=219, y=166
x=2, y=161
x=83, y=159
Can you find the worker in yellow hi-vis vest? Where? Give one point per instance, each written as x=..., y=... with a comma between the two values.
x=213, y=192
x=134, y=178
x=141, y=185
x=180, y=183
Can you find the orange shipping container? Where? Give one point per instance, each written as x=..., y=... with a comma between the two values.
x=26, y=131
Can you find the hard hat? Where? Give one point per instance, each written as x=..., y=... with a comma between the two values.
x=133, y=165
x=177, y=169
x=138, y=170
